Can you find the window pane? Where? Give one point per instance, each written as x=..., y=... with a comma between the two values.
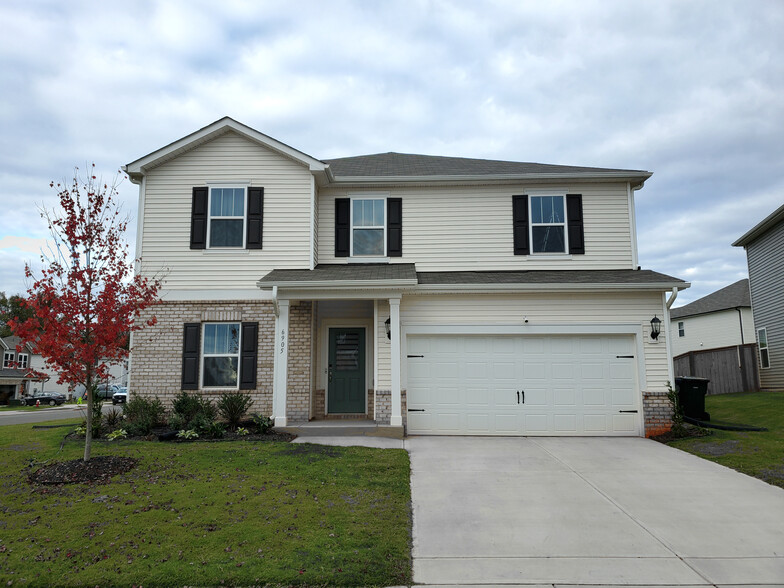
x=216, y=197
x=762, y=335
x=368, y=242
x=226, y=233
x=378, y=213
x=548, y=239
x=209, y=338
x=547, y=209
x=239, y=202
x=222, y=338
x=220, y=371
x=357, y=212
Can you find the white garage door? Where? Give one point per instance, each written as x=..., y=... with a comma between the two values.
x=522, y=385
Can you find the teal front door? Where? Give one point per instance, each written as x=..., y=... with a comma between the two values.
x=346, y=371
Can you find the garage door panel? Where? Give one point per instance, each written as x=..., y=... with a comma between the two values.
x=573, y=385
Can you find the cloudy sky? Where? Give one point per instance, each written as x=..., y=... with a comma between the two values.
x=691, y=90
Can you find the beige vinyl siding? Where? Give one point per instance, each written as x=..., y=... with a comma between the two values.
x=384, y=348
x=549, y=309
x=228, y=158
x=315, y=227
x=766, y=280
x=709, y=331
x=454, y=228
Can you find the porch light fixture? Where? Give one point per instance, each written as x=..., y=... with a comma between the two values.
x=388, y=327
x=655, y=327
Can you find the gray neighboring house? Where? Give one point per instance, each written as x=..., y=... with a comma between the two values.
x=721, y=319
x=764, y=245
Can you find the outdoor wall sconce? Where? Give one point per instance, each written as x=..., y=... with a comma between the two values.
x=388, y=327
x=655, y=327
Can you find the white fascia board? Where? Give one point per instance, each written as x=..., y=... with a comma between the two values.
x=587, y=328
x=137, y=168
x=637, y=179
x=342, y=285
x=342, y=294
x=515, y=288
x=761, y=228
x=5, y=346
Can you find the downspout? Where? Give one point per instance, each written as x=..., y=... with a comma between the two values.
x=740, y=322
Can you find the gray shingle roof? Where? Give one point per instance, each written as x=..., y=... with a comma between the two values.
x=406, y=274
x=381, y=272
x=408, y=165
x=732, y=296
x=546, y=277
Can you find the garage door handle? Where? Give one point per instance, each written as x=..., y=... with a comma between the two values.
x=518, y=397
x=634, y=411
x=624, y=357
x=415, y=356
x=416, y=410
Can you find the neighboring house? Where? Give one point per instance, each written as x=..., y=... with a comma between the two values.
x=764, y=245
x=22, y=372
x=446, y=295
x=720, y=319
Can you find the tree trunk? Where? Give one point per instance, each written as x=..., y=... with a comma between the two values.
x=88, y=436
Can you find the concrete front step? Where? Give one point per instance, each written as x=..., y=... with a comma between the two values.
x=348, y=428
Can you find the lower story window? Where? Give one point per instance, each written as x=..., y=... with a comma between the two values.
x=762, y=340
x=220, y=355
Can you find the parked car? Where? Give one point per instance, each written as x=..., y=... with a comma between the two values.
x=121, y=396
x=50, y=398
x=103, y=391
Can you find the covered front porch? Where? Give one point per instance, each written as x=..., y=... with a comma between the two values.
x=337, y=353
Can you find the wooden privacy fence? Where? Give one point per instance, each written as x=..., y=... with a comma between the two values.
x=729, y=369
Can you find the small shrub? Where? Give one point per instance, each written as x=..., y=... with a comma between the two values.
x=117, y=434
x=113, y=418
x=677, y=409
x=97, y=417
x=214, y=430
x=263, y=423
x=242, y=431
x=189, y=434
x=232, y=406
x=81, y=430
x=188, y=408
x=143, y=414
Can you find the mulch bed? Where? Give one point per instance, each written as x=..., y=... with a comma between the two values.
x=98, y=469
x=687, y=432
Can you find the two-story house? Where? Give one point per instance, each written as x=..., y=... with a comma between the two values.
x=764, y=245
x=443, y=294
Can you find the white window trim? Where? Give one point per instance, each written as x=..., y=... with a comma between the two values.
x=766, y=347
x=564, y=224
x=681, y=329
x=202, y=355
x=8, y=359
x=244, y=218
x=23, y=360
x=368, y=196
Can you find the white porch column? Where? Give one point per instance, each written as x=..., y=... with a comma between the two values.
x=281, y=363
x=396, y=420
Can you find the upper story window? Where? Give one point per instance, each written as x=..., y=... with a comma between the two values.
x=226, y=226
x=762, y=340
x=548, y=224
x=545, y=224
x=227, y=217
x=221, y=355
x=681, y=329
x=368, y=227
x=21, y=359
x=8, y=359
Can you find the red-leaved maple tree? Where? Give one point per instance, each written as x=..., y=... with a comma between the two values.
x=86, y=300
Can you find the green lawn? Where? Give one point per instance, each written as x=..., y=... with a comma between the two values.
x=758, y=454
x=222, y=513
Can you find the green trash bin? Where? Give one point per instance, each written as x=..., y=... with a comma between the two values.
x=691, y=395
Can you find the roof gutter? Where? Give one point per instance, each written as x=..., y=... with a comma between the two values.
x=360, y=180
x=514, y=288
x=332, y=285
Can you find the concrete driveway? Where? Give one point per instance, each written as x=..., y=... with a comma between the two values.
x=588, y=511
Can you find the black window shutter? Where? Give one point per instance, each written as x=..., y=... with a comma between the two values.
x=342, y=226
x=199, y=218
x=191, y=348
x=255, y=218
x=520, y=225
x=248, y=356
x=574, y=220
x=394, y=227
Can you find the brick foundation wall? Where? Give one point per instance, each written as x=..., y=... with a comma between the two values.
x=300, y=340
x=658, y=413
x=384, y=407
x=156, y=361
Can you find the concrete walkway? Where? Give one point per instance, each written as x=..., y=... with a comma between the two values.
x=588, y=511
